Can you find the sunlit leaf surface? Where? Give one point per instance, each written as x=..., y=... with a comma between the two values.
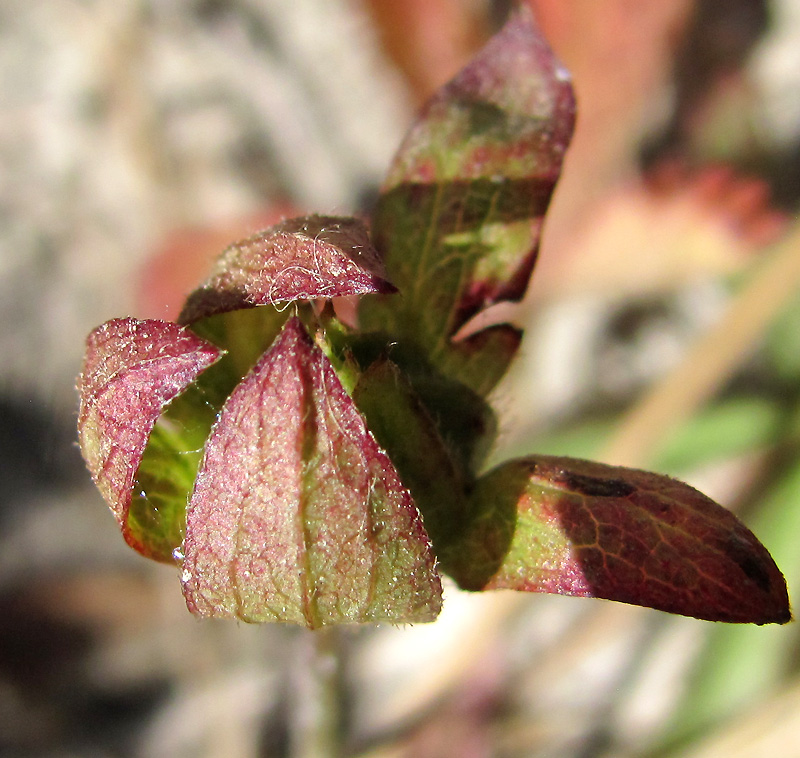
x=562, y=525
x=460, y=213
x=298, y=259
x=131, y=370
x=297, y=514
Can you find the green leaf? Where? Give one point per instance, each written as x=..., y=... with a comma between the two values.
x=459, y=217
x=245, y=335
x=464, y=420
x=572, y=527
x=165, y=477
x=782, y=343
x=297, y=514
x=481, y=360
x=405, y=429
x=132, y=370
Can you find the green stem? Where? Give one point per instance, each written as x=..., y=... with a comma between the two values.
x=316, y=715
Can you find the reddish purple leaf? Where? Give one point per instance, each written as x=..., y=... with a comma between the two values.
x=460, y=214
x=298, y=259
x=297, y=514
x=511, y=108
x=573, y=527
x=131, y=370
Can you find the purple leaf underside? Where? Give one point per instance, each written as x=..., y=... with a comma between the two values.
x=297, y=514
x=573, y=527
x=132, y=369
x=299, y=259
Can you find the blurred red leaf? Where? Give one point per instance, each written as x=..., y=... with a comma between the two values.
x=675, y=227
x=620, y=54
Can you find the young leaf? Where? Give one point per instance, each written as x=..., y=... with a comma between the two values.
x=405, y=429
x=245, y=335
x=165, y=477
x=297, y=514
x=298, y=259
x=459, y=216
x=131, y=371
x=573, y=527
x=461, y=417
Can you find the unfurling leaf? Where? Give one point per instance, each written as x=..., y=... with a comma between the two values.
x=459, y=216
x=573, y=527
x=132, y=370
x=297, y=514
x=298, y=259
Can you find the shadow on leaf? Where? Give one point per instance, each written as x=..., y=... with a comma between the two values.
x=573, y=527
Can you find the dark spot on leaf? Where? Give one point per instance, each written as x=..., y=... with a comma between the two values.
x=484, y=116
x=593, y=486
x=742, y=555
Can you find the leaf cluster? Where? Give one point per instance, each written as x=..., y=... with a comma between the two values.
x=304, y=469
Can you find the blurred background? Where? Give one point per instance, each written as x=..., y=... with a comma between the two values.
x=139, y=137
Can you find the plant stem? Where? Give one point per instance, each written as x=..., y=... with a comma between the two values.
x=316, y=717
